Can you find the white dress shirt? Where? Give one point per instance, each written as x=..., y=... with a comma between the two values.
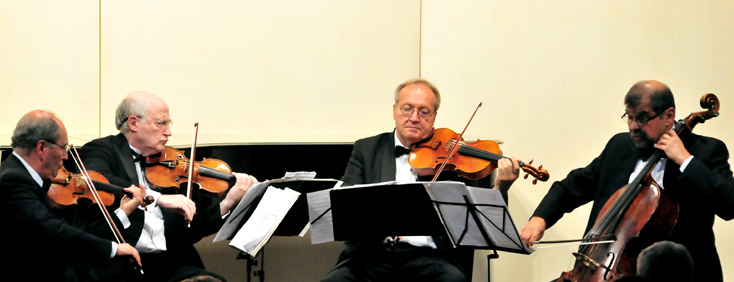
x=404, y=173
x=152, y=238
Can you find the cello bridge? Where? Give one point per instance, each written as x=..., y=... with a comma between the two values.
x=587, y=261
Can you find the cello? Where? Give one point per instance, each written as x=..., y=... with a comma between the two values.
x=634, y=217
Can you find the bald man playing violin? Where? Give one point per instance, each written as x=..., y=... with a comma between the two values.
x=43, y=247
x=159, y=231
x=376, y=159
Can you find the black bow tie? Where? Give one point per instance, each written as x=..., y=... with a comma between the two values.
x=138, y=158
x=400, y=150
x=646, y=153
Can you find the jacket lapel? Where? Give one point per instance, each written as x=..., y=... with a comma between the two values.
x=125, y=154
x=387, y=159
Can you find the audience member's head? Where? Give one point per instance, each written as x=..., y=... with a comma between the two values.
x=665, y=261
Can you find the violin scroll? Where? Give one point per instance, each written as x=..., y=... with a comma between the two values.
x=539, y=173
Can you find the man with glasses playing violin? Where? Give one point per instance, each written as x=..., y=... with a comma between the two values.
x=694, y=172
x=160, y=230
x=44, y=247
x=385, y=158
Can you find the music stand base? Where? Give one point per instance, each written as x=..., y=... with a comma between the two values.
x=494, y=255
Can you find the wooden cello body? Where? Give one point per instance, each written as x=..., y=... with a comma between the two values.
x=636, y=216
x=651, y=216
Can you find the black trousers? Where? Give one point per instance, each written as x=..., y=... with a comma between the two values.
x=401, y=262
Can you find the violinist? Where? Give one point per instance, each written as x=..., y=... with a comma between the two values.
x=384, y=158
x=694, y=172
x=43, y=247
x=160, y=230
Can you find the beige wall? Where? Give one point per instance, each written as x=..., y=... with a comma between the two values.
x=551, y=76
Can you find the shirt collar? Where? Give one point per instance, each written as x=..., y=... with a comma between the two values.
x=397, y=141
x=34, y=174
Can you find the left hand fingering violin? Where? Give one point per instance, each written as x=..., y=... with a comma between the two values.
x=472, y=160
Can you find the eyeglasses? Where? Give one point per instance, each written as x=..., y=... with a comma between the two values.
x=641, y=119
x=66, y=147
x=422, y=113
x=163, y=123
x=160, y=124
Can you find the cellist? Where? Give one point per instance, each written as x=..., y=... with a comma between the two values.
x=694, y=172
x=159, y=231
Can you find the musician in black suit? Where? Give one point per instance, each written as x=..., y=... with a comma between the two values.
x=694, y=172
x=160, y=230
x=38, y=245
x=376, y=159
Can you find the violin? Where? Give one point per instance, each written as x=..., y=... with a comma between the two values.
x=634, y=217
x=471, y=160
x=66, y=188
x=169, y=169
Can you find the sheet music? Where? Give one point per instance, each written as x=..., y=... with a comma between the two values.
x=258, y=229
x=319, y=214
x=257, y=190
x=230, y=224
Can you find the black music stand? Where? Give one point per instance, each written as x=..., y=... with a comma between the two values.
x=292, y=223
x=475, y=218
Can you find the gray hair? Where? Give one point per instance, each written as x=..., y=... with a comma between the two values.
x=419, y=81
x=31, y=129
x=129, y=106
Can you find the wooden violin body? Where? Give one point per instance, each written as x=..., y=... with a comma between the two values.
x=66, y=188
x=471, y=160
x=169, y=170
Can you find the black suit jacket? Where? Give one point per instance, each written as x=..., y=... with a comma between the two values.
x=373, y=161
x=703, y=190
x=39, y=246
x=112, y=157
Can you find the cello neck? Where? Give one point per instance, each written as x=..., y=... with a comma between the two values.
x=616, y=213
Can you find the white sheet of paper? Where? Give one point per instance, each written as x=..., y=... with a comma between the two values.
x=230, y=224
x=319, y=214
x=264, y=220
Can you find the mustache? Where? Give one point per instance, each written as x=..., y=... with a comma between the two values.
x=638, y=133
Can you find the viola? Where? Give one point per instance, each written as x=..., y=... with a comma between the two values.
x=634, y=217
x=66, y=188
x=471, y=160
x=169, y=169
